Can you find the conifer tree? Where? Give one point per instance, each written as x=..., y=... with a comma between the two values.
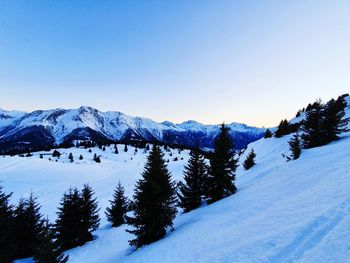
x=313, y=127
x=116, y=149
x=7, y=242
x=49, y=249
x=81, y=157
x=283, y=129
x=222, y=169
x=28, y=224
x=249, y=161
x=125, y=148
x=268, y=134
x=295, y=146
x=70, y=157
x=119, y=205
x=335, y=122
x=190, y=193
x=90, y=217
x=154, y=201
x=69, y=225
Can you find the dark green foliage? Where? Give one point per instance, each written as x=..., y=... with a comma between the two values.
x=268, y=134
x=70, y=157
x=283, y=129
x=295, y=146
x=249, y=161
x=154, y=201
x=90, y=217
x=97, y=158
x=69, y=222
x=28, y=224
x=7, y=242
x=49, y=249
x=116, y=149
x=190, y=193
x=223, y=165
x=119, y=205
x=312, y=128
x=125, y=148
x=335, y=122
x=56, y=153
x=81, y=157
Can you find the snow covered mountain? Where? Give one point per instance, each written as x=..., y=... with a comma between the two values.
x=45, y=128
x=296, y=211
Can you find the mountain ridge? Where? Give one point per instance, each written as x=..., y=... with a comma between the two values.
x=20, y=130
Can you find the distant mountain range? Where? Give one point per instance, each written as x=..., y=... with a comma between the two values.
x=46, y=128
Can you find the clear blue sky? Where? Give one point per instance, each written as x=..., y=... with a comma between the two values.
x=212, y=61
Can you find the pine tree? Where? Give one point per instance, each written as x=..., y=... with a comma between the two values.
x=154, y=201
x=283, y=129
x=69, y=225
x=222, y=169
x=117, y=211
x=70, y=157
x=125, y=148
x=7, y=242
x=116, y=149
x=268, y=134
x=81, y=157
x=28, y=224
x=295, y=146
x=56, y=153
x=335, y=122
x=49, y=249
x=249, y=161
x=313, y=127
x=90, y=216
x=190, y=193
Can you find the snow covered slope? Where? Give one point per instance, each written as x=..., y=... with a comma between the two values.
x=49, y=127
x=297, y=211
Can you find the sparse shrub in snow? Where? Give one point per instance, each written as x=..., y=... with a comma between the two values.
x=295, y=146
x=154, y=201
x=56, y=153
x=249, y=162
x=268, y=134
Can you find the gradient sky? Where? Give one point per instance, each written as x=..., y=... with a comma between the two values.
x=212, y=61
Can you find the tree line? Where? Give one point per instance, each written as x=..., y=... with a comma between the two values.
x=24, y=232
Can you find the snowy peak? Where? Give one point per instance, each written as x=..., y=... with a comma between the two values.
x=60, y=125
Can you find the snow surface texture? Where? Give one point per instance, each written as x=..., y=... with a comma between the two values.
x=297, y=211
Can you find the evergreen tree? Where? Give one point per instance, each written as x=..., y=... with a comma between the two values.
x=56, y=153
x=7, y=242
x=283, y=129
x=116, y=149
x=335, y=122
x=81, y=157
x=69, y=225
x=125, y=148
x=90, y=217
x=295, y=146
x=223, y=165
x=28, y=224
x=190, y=194
x=249, y=161
x=154, y=201
x=97, y=158
x=268, y=134
x=49, y=249
x=70, y=157
x=119, y=205
x=313, y=127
